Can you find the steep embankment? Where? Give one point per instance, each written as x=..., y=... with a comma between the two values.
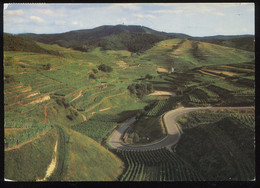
x=89, y=161
x=30, y=161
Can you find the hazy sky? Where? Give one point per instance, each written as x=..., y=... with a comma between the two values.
x=195, y=19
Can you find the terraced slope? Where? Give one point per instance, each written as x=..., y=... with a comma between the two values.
x=84, y=104
x=31, y=160
x=184, y=54
x=42, y=91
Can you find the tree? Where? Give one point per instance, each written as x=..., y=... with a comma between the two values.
x=105, y=68
x=95, y=71
x=131, y=88
x=92, y=76
x=47, y=67
x=140, y=89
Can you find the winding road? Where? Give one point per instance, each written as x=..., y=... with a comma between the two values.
x=173, y=129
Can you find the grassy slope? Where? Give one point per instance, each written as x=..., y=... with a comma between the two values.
x=89, y=161
x=77, y=65
x=30, y=162
x=163, y=54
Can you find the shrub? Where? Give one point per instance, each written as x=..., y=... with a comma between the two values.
x=105, y=68
x=95, y=71
x=62, y=102
x=69, y=117
x=92, y=76
x=47, y=67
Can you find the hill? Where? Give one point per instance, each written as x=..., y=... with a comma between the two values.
x=17, y=43
x=81, y=105
x=121, y=37
x=243, y=42
x=108, y=37
x=82, y=153
x=185, y=54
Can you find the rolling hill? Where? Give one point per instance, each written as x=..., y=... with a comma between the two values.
x=133, y=38
x=64, y=108
x=121, y=36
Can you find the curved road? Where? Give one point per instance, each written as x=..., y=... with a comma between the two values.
x=174, y=131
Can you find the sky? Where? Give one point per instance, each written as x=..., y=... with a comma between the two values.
x=195, y=19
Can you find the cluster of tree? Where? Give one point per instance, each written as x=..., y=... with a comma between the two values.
x=105, y=68
x=92, y=76
x=62, y=102
x=140, y=89
x=95, y=71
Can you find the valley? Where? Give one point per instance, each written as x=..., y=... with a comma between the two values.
x=131, y=105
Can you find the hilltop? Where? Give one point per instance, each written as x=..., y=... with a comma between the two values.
x=134, y=38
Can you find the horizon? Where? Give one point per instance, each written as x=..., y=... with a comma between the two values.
x=194, y=19
x=129, y=25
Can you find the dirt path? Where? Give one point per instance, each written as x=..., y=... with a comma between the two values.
x=104, y=109
x=106, y=98
x=162, y=70
x=84, y=117
x=79, y=95
x=227, y=66
x=156, y=92
x=52, y=165
x=28, y=141
x=211, y=74
x=173, y=129
x=45, y=112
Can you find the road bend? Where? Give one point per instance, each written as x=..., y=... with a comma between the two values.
x=173, y=130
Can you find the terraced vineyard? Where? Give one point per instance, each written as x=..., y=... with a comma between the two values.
x=65, y=95
x=222, y=142
x=161, y=107
x=157, y=165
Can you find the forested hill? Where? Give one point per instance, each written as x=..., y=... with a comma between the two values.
x=16, y=43
x=133, y=38
x=129, y=37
